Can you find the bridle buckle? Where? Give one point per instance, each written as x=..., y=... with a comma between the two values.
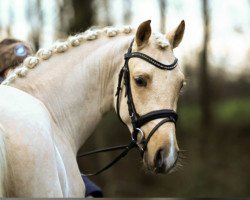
x=139, y=139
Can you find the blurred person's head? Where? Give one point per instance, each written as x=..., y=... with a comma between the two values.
x=12, y=53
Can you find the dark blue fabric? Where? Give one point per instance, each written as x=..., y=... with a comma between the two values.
x=91, y=188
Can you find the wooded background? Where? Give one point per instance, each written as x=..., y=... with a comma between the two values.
x=214, y=109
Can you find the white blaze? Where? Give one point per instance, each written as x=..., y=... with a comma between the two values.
x=171, y=158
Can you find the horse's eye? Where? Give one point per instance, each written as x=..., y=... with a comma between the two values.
x=140, y=82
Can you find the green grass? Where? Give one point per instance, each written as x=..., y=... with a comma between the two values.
x=189, y=115
x=224, y=112
x=236, y=110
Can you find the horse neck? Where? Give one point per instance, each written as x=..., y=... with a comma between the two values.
x=77, y=87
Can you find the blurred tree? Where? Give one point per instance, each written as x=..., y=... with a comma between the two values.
x=107, y=12
x=82, y=17
x=66, y=15
x=10, y=21
x=127, y=13
x=0, y=24
x=205, y=90
x=34, y=15
x=103, y=12
x=163, y=9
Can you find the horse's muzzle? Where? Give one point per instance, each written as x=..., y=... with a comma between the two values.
x=165, y=161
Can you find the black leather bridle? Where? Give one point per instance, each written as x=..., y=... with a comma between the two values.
x=137, y=121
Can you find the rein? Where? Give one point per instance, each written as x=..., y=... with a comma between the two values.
x=138, y=139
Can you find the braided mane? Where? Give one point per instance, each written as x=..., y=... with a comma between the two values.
x=73, y=41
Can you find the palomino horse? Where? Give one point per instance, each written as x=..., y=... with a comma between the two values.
x=50, y=105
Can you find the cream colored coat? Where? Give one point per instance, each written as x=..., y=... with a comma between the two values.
x=51, y=105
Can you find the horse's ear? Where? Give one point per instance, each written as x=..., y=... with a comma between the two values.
x=143, y=33
x=175, y=36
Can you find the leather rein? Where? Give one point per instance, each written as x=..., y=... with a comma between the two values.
x=138, y=139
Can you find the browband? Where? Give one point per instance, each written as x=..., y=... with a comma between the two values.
x=151, y=60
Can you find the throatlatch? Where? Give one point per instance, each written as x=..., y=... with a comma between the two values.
x=137, y=121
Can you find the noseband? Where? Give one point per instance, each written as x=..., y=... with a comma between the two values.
x=138, y=138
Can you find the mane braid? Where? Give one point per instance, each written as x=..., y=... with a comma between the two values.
x=73, y=41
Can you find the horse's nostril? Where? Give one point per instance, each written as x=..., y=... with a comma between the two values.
x=159, y=161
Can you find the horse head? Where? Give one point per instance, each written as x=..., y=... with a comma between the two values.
x=148, y=101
